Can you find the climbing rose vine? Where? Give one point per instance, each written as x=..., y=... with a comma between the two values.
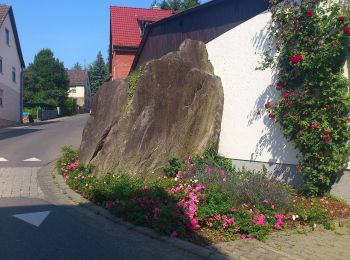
x=311, y=44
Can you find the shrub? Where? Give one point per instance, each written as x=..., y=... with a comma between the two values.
x=215, y=199
x=133, y=80
x=312, y=40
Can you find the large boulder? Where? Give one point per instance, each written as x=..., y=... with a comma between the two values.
x=176, y=110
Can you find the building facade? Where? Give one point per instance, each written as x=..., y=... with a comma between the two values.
x=127, y=26
x=79, y=89
x=11, y=69
x=236, y=37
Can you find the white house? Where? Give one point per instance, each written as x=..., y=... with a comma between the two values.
x=11, y=69
x=235, y=33
x=79, y=89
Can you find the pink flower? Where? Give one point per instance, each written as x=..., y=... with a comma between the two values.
x=279, y=221
x=309, y=13
x=314, y=126
x=341, y=18
x=280, y=85
x=286, y=94
x=346, y=31
x=272, y=206
x=326, y=132
x=328, y=140
x=173, y=234
x=243, y=236
x=233, y=210
x=348, y=120
x=296, y=59
x=266, y=201
x=267, y=105
x=261, y=219
x=249, y=236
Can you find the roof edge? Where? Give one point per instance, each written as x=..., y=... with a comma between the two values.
x=15, y=32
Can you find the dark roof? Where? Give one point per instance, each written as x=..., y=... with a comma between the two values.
x=4, y=10
x=77, y=77
x=125, y=30
x=177, y=16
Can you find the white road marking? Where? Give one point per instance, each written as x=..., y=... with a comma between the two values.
x=2, y=159
x=32, y=160
x=35, y=219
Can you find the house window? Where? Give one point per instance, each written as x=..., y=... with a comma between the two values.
x=0, y=64
x=143, y=25
x=13, y=74
x=73, y=90
x=1, y=95
x=7, y=36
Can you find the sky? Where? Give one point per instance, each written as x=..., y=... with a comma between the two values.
x=75, y=30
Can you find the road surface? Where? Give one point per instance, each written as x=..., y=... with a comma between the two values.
x=33, y=228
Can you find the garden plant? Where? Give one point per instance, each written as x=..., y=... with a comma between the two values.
x=312, y=43
x=207, y=200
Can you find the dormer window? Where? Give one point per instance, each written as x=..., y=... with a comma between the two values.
x=143, y=25
x=7, y=36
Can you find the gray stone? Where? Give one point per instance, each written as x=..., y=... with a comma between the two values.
x=176, y=110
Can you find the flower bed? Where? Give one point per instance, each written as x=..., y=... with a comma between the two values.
x=203, y=200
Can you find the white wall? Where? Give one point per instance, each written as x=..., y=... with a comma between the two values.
x=80, y=92
x=244, y=134
x=11, y=96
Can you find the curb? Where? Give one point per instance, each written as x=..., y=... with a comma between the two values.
x=77, y=199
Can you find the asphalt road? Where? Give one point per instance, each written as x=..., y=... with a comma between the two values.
x=42, y=141
x=33, y=228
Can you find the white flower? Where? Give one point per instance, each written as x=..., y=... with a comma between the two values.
x=315, y=225
x=296, y=216
x=176, y=179
x=195, y=181
x=86, y=185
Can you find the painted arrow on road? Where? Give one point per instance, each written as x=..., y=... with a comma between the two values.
x=32, y=160
x=35, y=218
x=2, y=159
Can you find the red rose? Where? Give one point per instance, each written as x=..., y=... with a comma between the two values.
x=296, y=59
x=267, y=105
x=314, y=126
x=309, y=13
x=341, y=18
x=328, y=140
x=286, y=94
x=326, y=132
x=346, y=30
x=348, y=120
x=280, y=85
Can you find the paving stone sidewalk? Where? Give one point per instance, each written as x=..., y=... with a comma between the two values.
x=296, y=244
x=20, y=182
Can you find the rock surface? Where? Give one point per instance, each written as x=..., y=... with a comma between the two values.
x=176, y=110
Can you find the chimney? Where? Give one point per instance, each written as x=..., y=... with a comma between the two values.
x=156, y=7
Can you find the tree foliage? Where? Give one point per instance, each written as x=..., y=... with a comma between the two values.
x=312, y=41
x=77, y=66
x=46, y=80
x=176, y=5
x=98, y=73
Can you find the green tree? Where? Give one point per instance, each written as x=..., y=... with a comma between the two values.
x=46, y=80
x=98, y=73
x=77, y=66
x=176, y=5
x=186, y=4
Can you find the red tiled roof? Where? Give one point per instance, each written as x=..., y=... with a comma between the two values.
x=125, y=30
